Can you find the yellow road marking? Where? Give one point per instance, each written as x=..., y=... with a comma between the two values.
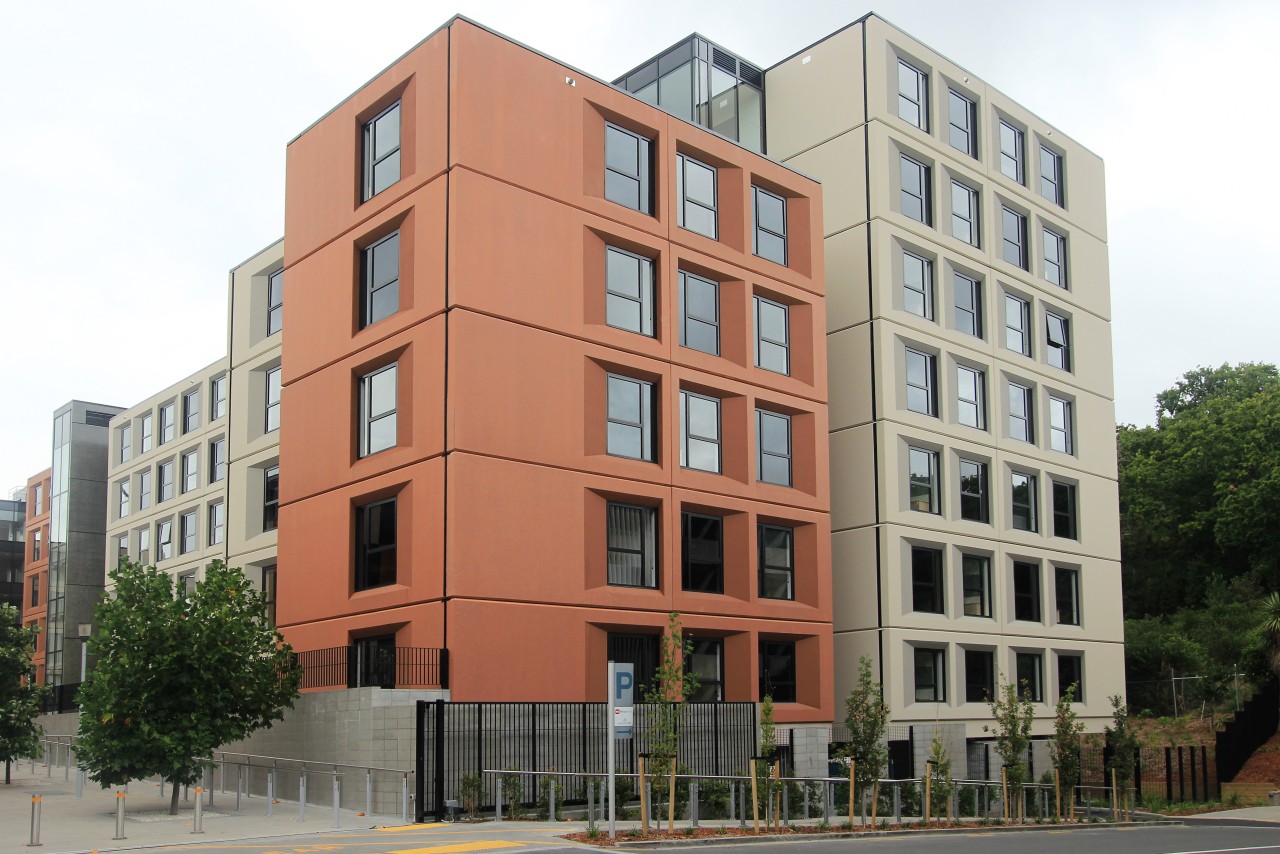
x=462, y=846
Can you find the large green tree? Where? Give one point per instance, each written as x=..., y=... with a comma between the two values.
x=19, y=694
x=179, y=675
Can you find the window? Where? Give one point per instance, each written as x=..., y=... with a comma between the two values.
x=271, y=498
x=187, y=532
x=963, y=115
x=976, y=581
x=1010, y=151
x=380, y=280
x=1071, y=673
x=37, y=499
x=122, y=547
x=1026, y=592
x=631, y=421
x=1058, y=339
x=1066, y=590
x=926, y=580
x=705, y=660
x=703, y=552
x=1021, y=426
x=913, y=95
x=35, y=590
x=1024, y=502
x=167, y=416
x=973, y=491
x=773, y=338
x=275, y=302
x=217, y=460
x=1014, y=231
x=777, y=562
x=124, y=498
x=376, y=544
x=1017, y=313
x=930, y=667
x=628, y=163
x=164, y=539
x=971, y=385
x=146, y=433
x=699, y=313
x=37, y=539
x=144, y=489
x=217, y=522
x=1030, y=675
x=979, y=675
x=921, y=373
x=1060, y=438
x=190, y=471
x=632, y=544
x=218, y=394
x=915, y=190
x=1064, y=510
x=269, y=591
x=273, y=399
x=640, y=651
x=144, y=546
x=778, y=671
x=917, y=285
x=628, y=291
x=382, y=151
x=695, y=196
x=968, y=305
x=699, y=432
x=164, y=476
x=964, y=213
x=769, y=236
x=378, y=410
x=1051, y=175
x=922, y=476
x=1055, y=258
x=773, y=442
x=191, y=410
x=126, y=447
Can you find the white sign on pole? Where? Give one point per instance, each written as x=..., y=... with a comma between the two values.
x=622, y=679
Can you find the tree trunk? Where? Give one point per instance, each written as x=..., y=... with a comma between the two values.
x=173, y=801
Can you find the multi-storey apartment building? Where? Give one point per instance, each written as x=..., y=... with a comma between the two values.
x=13, y=527
x=167, y=477
x=553, y=367
x=36, y=563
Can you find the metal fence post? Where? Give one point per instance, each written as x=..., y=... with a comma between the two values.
x=742, y=804
x=120, y=796
x=198, y=823
x=271, y=790
x=551, y=799
x=497, y=812
x=66, y=763
x=337, y=798
x=786, y=805
x=368, y=791
x=826, y=801
x=79, y=783
x=693, y=803
x=35, y=822
x=897, y=803
x=239, y=784
x=591, y=803
x=733, y=804
x=302, y=795
x=404, y=798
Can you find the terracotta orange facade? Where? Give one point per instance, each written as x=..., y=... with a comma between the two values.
x=36, y=567
x=499, y=479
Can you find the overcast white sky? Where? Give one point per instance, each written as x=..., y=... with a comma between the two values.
x=142, y=156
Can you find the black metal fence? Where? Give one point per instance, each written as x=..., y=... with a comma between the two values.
x=457, y=739
x=396, y=667
x=61, y=698
x=1183, y=772
x=1252, y=726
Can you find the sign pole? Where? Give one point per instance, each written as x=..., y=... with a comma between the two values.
x=621, y=712
x=613, y=747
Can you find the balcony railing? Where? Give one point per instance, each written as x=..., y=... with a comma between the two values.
x=390, y=667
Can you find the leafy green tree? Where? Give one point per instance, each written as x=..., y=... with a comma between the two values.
x=179, y=675
x=866, y=715
x=940, y=784
x=19, y=695
x=1270, y=627
x=1012, y=716
x=1122, y=743
x=768, y=746
x=1064, y=750
x=668, y=695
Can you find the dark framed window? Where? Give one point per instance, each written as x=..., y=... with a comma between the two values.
x=769, y=236
x=777, y=562
x=37, y=539
x=927, y=595
x=773, y=447
x=702, y=550
x=122, y=547
x=217, y=522
x=922, y=372
x=705, y=660
x=1026, y=592
x=913, y=95
x=275, y=302
x=1058, y=339
x=1055, y=258
x=979, y=675
x=164, y=477
x=269, y=591
x=378, y=396
x=778, y=671
x=168, y=415
x=630, y=418
x=380, y=279
x=1030, y=666
x=917, y=285
x=144, y=545
x=218, y=394
x=1021, y=413
x=144, y=489
x=1066, y=594
x=1051, y=175
x=382, y=151
x=965, y=220
x=1013, y=227
x=699, y=313
x=273, y=399
x=187, y=532
x=915, y=190
x=629, y=291
x=971, y=397
x=1071, y=672
x=640, y=651
x=632, y=545
x=1064, y=510
x=373, y=662
x=123, y=506
x=191, y=410
x=696, y=196
x=146, y=433
x=975, y=577
x=974, y=504
x=930, y=674
x=35, y=590
x=699, y=432
x=1060, y=427
x=922, y=480
x=963, y=117
x=1023, y=500
x=773, y=335
x=271, y=498
x=376, y=544
x=628, y=168
x=126, y=451
x=1011, y=151
x=968, y=304
x=190, y=470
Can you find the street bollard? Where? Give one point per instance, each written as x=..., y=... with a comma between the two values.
x=742, y=805
x=66, y=764
x=551, y=799
x=198, y=820
x=302, y=796
x=404, y=798
x=239, y=782
x=222, y=775
x=208, y=776
x=337, y=799
x=591, y=804
x=368, y=791
x=120, y=796
x=79, y=783
x=35, y=822
x=897, y=803
x=786, y=806
x=497, y=811
x=693, y=803
x=826, y=801
x=733, y=803
x=271, y=791
x=162, y=787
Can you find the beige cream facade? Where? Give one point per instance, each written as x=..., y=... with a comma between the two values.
x=907, y=564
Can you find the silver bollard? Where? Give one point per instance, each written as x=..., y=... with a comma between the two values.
x=271, y=790
x=198, y=822
x=120, y=796
x=897, y=803
x=404, y=798
x=826, y=801
x=239, y=786
x=79, y=782
x=591, y=804
x=693, y=803
x=733, y=802
x=368, y=791
x=66, y=763
x=551, y=799
x=162, y=787
x=497, y=803
x=302, y=796
x=35, y=822
x=337, y=799
x=742, y=805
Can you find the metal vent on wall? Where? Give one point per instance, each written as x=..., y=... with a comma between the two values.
x=724, y=60
x=751, y=75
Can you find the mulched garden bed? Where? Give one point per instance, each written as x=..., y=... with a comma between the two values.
x=601, y=838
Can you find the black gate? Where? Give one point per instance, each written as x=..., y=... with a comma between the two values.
x=455, y=739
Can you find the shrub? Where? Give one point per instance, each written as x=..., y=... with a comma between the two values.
x=470, y=792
